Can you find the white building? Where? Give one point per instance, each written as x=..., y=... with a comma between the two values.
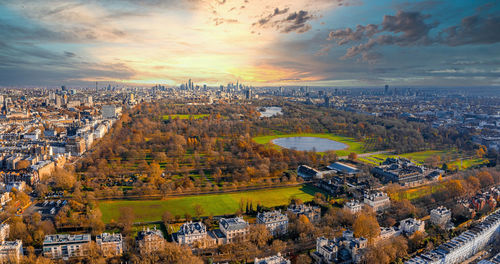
x=66, y=246
x=276, y=259
x=110, y=244
x=4, y=231
x=345, y=249
x=463, y=246
x=411, y=225
x=190, y=232
x=440, y=216
x=11, y=251
x=379, y=201
x=353, y=206
x=234, y=228
x=275, y=222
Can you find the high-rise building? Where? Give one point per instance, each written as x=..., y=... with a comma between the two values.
x=386, y=89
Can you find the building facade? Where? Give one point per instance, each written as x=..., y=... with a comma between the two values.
x=193, y=233
x=411, y=225
x=234, y=228
x=275, y=222
x=378, y=201
x=440, y=216
x=110, y=244
x=149, y=240
x=66, y=246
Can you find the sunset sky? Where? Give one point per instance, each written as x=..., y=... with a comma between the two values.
x=256, y=42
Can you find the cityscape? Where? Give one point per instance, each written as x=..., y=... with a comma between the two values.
x=249, y=131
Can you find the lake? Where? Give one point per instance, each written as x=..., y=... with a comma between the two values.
x=309, y=143
x=271, y=111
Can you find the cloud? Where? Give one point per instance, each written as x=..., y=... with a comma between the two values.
x=402, y=29
x=297, y=22
x=472, y=30
x=69, y=54
x=413, y=29
x=268, y=18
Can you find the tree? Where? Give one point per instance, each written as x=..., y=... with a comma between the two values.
x=167, y=218
x=95, y=221
x=485, y=179
x=259, y=235
x=127, y=218
x=353, y=156
x=63, y=179
x=198, y=210
x=366, y=225
x=277, y=246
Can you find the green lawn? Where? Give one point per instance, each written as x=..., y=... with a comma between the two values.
x=216, y=204
x=166, y=117
x=353, y=145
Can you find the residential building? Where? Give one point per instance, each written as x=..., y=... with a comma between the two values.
x=440, y=216
x=312, y=212
x=388, y=232
x=345, y=249
x=353, y=206
x=411, y=225
x=66, y=246
x=234, y=228
x=462, y=247
x=149, y=240
x=193, y=233
x=11, y=251
x=378, y=201
x=275, y=222
x=4, y=231
x=110, y=244
x=276, y=259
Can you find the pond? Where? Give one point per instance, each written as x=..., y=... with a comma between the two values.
x=309, y=143
x=270, y=111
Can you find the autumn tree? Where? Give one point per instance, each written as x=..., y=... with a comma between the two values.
x=167, y=218
x=353, y=156
x=259, y=235
x=366, y=225
x=198, y=210
x=126, y=218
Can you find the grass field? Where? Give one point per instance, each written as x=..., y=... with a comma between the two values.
x=215, y=204
x=353, y=145
x=422, y=156
x=166, y=117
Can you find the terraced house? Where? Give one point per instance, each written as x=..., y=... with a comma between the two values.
x=463, y=246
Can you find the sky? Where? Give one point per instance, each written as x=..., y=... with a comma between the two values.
x=256, y=42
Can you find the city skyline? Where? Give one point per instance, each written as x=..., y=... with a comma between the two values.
x=260, y=43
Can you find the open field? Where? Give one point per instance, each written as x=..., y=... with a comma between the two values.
x=166, y=117
x=422, y=156
x=354, y=146
x=215, y=204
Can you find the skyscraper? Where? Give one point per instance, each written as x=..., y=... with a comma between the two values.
x=386, y=91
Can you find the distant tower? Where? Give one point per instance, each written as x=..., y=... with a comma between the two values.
x=386, y=90
x=96, y=89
